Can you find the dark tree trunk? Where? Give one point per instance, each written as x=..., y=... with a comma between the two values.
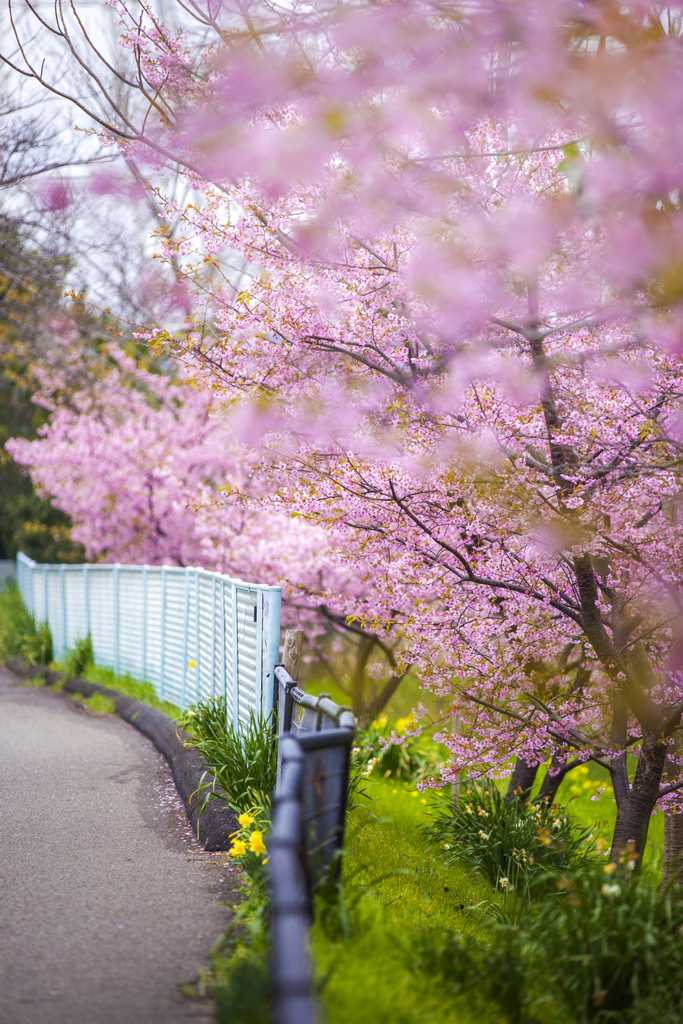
x=618, y=765
x=377, y=703
x=363, y=652
x=552, y=783
x=633, y=816
x=521, y=782
x=672, y=858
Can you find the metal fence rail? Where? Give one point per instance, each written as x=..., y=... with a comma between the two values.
x=325, y=732
x=291, y=975
x=193, y=634
x=314, y=754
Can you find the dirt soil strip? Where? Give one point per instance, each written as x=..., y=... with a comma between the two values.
x=212, y=821
x=108, y=902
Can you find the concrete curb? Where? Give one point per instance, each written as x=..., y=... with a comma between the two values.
x=192, y=777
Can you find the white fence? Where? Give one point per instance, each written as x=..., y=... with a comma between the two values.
x=193, y=634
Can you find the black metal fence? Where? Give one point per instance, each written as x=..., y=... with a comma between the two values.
x=309, y=811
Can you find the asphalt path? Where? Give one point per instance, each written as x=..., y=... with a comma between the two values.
x=107, y=903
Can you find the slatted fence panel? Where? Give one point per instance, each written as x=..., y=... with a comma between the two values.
x=191, y=633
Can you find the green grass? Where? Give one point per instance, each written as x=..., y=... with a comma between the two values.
x=98, y=702
x=409, y=888
x=398, y=887
x=144, y=692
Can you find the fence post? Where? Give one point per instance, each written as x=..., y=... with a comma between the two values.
x=86, y=598
x=272, y=654
x=213, y=635
x=116, y=620
x=197, y=646
x=259, y=653
x=183, y=678
x=33, y=595
x=291, y=974
x=224, y=647
x=235, y=665
x=144, y=623
x=162, y=648
x=62, y=594
x=291, y=652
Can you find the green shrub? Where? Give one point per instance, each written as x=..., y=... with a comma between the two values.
x=518, y=847
x=485, y=979
x=243, y=760
x=79, y=657
x=612, y=947
x=601, y=950
x=37, y=646
x=414, y=758
x=20, y=637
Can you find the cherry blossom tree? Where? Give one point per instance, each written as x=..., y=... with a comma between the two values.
x=450, y=244
x=152, y=473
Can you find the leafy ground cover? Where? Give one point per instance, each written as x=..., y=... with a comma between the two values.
x=421, y=929
x=243, y=761
x=20, y=635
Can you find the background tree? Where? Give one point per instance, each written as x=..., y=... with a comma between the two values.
x=150, y=472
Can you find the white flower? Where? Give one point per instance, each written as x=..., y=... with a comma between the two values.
x=482, y=834
x=504, y=883
x=610, y=890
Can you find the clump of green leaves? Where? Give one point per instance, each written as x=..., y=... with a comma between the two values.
x=239, y=981
x=20, y=636
x=604, y=949
x=518, y=847
x=98, y=703
x=243, y=759
x=489, y=980
x=79, y=657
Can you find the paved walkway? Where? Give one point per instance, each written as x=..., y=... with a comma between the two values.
x=106, y=902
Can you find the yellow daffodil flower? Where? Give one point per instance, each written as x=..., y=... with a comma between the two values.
x=256, y=844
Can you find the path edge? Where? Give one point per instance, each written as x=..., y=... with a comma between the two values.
x=212, y=821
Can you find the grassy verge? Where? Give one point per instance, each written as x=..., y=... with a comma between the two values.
x=130, y=687
x=396, y=885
